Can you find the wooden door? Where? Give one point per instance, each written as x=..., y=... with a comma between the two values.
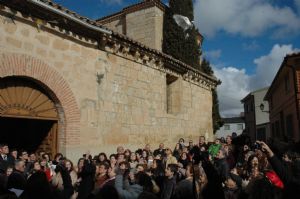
x=22, y=98
x=49, y=144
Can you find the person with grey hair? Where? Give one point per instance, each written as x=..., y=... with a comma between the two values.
x=17, y=179
x=221, y=165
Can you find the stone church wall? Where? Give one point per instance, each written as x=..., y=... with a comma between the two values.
x=121, y=102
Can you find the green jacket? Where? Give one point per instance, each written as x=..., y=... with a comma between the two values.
x=214, y=149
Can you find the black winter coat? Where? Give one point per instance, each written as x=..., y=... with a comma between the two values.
x=87, y=183
x=168, y=188
x=222, y=168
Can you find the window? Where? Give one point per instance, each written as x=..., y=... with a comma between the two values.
x=282, y=122
x=277, y=129
x=287, y=84
x=226, y=127
x=289, y=126
x=271, y=102
x=239, y=127
x=246, y=108
x=273, y=130
x=251, y=106
x=174, y=94
x=261, y=134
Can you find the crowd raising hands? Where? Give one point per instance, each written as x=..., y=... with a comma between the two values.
x=227, y=169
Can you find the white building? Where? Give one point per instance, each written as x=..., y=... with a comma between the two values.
x=256, y=111
x=231, y=125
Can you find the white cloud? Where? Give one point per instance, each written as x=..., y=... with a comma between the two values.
x=268, y=65
x=213, y=54
x=234, y=87
x=245, y=17
x=236, y=84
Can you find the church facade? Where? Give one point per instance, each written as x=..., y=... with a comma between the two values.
x=69, y=84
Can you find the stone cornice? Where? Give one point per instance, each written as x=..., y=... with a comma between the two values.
x=164, y=63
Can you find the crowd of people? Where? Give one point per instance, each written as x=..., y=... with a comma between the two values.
x=221, y=169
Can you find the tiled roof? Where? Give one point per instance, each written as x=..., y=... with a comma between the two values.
x=138, y=6
x=295, y=54
x=233, y=120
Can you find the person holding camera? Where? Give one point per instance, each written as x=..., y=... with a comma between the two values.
x=64, y=187
x=291, y=180
x=142, y=183
x=86, y=177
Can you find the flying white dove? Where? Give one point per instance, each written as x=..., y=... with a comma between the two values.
x=183, y=22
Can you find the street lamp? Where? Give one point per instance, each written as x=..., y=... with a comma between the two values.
x=262, y=107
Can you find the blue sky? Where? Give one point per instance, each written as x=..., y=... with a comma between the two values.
x=245, y=40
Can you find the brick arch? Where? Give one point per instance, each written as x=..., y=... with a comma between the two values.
x=14, y=64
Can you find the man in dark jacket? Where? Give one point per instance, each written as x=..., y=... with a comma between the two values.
x=160, y=151
x=5, y=158
x=221, y=165
x=170, y=181
x=17, y=179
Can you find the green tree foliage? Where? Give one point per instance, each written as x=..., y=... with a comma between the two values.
x=217, y=120
x=177, y=44
x=175, y=41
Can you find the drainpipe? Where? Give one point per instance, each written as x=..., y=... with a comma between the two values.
x=66, y=15
x=296, y=94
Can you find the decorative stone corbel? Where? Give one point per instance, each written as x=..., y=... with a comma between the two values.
x=145, y=58
x=159, y=64
x=39, y=23
x=102, y=42
x=116, y=47
x=125, y=50
x=136, y=55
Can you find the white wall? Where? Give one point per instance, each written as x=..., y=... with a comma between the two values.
x=233, y=128
x=260, y=116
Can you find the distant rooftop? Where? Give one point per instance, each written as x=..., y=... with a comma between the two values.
x=233, y=120
x=252, y=93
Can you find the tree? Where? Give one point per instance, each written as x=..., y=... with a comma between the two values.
x=177, y=43
x=217, y=120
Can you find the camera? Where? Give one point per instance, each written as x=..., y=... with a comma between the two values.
x=198, y=155
x=257, y=146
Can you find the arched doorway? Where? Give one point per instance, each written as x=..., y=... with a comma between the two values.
x=28, y=115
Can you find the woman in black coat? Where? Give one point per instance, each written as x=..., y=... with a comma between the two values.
x=38, y=187
x=86, y=178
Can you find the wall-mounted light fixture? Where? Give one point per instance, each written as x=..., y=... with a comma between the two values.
x=262, y=107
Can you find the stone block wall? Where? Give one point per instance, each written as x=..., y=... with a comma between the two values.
x=121, y=102
x=145, y=26
x=118, y=25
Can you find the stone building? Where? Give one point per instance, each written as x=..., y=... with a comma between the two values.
x=69, y=84
x=284, y=100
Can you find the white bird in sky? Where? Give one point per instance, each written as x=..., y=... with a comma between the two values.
x=183, y=22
